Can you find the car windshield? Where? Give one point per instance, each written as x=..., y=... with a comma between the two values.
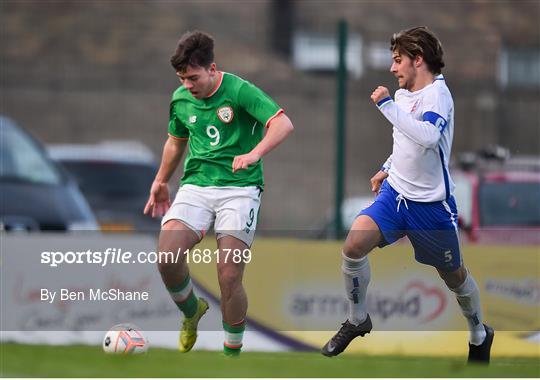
x=509, y=204
x=112, y=179
x=22, y=160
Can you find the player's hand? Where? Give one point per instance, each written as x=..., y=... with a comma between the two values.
x=379, y=94
x=243, y=161
x=159, y=201
x=377, y=180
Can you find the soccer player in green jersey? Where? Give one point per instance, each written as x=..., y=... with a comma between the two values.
x=221, y=117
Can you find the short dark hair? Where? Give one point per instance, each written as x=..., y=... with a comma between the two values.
x=194, y=49
x=419, y=41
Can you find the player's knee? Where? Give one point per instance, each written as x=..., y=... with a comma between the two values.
x=229, y=278
x=454, y=279
x=354, y=251
x=166, y=252
x=166, y=267
x=356, y=246
x=362, y=238
x=169, y=261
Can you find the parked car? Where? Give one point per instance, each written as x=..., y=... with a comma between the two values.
x=498, y=199
x=115, y=177
x=36, y=194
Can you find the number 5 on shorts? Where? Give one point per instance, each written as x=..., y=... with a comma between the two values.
x=448, y=256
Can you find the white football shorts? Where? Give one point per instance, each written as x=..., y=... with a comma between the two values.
x=232, y=210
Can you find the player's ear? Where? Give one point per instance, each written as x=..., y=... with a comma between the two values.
x=418, y=60
x=212, y=68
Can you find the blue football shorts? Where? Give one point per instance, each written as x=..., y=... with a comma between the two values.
x=430, y=226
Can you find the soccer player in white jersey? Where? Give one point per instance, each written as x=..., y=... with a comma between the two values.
x=414, y=192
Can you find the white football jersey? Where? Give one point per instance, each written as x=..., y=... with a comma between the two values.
x=423, y=129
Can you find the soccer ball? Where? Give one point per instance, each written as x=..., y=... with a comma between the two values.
x=125, y=338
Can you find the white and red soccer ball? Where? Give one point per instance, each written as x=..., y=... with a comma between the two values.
x=125, y=338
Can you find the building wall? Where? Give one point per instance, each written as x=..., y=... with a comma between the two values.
x=92, y=70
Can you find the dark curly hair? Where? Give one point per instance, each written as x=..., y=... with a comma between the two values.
x=419, y=41
x=194, y=49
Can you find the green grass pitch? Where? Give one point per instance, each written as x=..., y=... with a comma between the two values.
x=86, y=361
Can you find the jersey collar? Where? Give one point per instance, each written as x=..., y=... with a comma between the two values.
x=218, y=84
x=438, y=77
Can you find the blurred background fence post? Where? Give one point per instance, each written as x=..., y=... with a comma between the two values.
x=341, y=115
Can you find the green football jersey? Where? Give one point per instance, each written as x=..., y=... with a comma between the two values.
x=226, y=124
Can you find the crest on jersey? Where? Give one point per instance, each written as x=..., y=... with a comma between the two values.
x=415, y=106
x=225, y=114
x=193, y=119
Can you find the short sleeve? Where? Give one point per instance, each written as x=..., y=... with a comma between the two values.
x=257, y=103
x=176, y=128
x=437, y=108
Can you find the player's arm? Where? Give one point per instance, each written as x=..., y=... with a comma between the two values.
x=278, y=129
x=159, y=200
x=387, y=164
x=426, y=132
x=380, y=176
